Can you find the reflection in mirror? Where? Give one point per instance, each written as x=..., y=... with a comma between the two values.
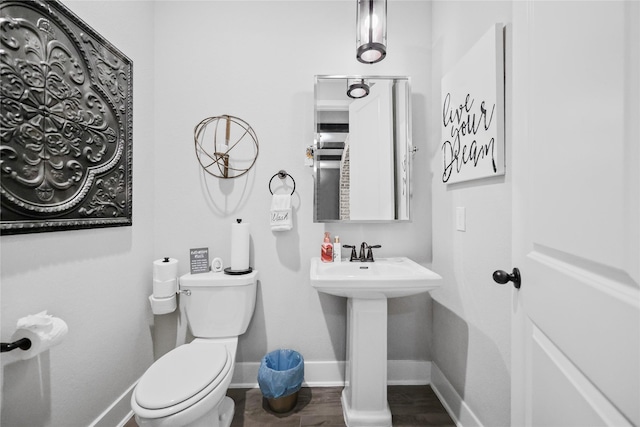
x=362, y=149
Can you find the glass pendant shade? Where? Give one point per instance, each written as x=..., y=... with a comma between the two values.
x=371, y=38
x=357, y=88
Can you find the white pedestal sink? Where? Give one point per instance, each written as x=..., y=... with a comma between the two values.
x=367, y=285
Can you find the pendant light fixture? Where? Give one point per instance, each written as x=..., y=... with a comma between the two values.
x=371, y=38
x=357, y=88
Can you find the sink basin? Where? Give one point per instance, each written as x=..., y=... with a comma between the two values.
x=384, y=278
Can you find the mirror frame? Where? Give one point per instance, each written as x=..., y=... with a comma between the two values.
x=410, y=149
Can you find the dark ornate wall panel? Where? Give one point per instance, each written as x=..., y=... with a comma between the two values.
x=65, y=122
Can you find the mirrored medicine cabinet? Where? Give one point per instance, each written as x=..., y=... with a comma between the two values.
x=362, y=149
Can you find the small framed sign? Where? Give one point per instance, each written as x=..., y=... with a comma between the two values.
x=199, y=260
x=472, y=111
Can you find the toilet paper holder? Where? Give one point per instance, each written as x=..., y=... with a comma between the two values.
x=22, y=344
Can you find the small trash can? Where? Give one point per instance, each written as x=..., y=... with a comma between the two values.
x=280, y=377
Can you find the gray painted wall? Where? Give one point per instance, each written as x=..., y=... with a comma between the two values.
x=192, y=60
x=471, y=314
x=257, y=61
x=95, y=280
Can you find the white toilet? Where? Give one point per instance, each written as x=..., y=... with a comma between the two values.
x=187, y=387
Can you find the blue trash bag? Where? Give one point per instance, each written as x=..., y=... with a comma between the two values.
x=281, y=373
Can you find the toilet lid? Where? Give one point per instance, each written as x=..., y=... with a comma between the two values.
x=180, y=374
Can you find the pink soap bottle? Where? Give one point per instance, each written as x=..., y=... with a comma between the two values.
x=326, y=254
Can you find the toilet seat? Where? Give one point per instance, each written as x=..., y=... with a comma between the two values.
x=181, y=378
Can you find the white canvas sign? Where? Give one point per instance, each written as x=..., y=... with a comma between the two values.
x=472, y=114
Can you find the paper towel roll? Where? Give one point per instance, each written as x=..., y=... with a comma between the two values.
x=165, y=289
x=165, y=269
x=240, y=246
x=44, y=331
x=162, y=305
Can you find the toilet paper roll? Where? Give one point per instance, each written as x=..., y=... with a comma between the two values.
x=240, y=246
x=216, y=265
x=165, y=269
x=162, y=305
x=165, y=289
x=43, y=330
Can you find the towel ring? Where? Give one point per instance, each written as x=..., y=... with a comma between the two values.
x=282, y=174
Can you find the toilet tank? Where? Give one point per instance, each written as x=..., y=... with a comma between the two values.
x=219, y=305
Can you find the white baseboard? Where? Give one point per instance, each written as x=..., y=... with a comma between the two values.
x=331, y=374
x=316, y=374
x=112, y=416
x=464, y=416
x=408, y=372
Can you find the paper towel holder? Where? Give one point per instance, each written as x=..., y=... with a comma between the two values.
x=231, y=272
x=22, y=344
x=282, y=174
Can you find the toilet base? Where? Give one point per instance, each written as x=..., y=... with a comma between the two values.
x=221, y=416
x=226, y=411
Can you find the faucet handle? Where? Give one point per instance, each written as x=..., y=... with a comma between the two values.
x=370, y=252
x=354, y=256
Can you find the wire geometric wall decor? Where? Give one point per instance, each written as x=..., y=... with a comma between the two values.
x=226, y=146
x=65, y=122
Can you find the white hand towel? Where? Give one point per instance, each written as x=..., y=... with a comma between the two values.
x=281, y=218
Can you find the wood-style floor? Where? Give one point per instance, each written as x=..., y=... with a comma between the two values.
x=411, y=406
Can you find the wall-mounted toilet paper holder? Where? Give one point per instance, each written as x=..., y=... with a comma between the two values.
x=22, y=344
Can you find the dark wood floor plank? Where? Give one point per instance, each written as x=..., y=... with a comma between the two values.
x=422, y=420
x=414, y=400
x=322, y=420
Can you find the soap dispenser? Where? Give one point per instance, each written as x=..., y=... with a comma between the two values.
x=337, y=250
x=326, y=253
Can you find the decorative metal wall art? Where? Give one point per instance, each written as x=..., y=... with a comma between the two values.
x=65, y=122
x=234, y=154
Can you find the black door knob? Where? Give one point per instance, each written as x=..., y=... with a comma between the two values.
x=502, y=277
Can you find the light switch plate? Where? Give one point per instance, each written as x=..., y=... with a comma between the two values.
x=461, y=219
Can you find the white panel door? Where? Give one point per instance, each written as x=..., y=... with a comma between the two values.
x=371, y=155
x=576, y=191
